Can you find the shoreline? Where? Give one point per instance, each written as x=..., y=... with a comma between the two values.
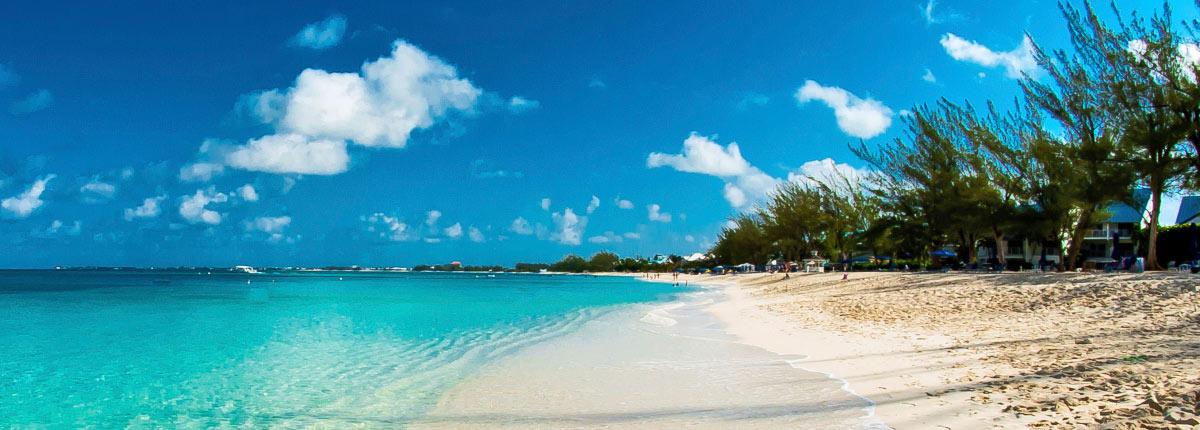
x=667, y=364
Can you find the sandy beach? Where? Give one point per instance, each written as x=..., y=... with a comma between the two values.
x=955, y=351
x=988, y=350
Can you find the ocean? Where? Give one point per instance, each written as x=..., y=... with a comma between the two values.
x=180, y=349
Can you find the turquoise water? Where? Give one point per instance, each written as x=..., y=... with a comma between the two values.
x=118, y=349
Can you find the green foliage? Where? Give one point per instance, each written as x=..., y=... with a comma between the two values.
x=603, y=261
x=571, y=263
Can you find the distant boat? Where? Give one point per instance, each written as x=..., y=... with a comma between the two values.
x=244, y=269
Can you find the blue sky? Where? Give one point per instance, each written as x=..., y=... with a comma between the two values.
x=220, y=133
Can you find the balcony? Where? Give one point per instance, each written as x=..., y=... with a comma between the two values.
x=1104, y=233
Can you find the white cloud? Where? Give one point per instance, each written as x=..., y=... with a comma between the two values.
x=194, y=210
x=623, y=204
x=689, y=238
x=148, y=209
x=519, y=104
x=36, y=101
x=595, y=82
x=475, y=235
x=855, y=117
x=432, y=240
x=431, y=217
x=321, y=35
x=931, y=17
x=1186, y=58
x=454, y=232
x=521, y=226
x=1015, y=62
x=126, y=173
x=57, y=228
x=390, y=227
x=593, y=205
x=608, y=237
x=546, y=204
x=96, y=191
x=568, y=227
x=632, y=235
x=200, y=172
x=828, y=171
x=247, y=193
x=22, y=205
x=290, y=153
x=904, y=112
x=656, y=215
x=928, y=77
x=379, y=107
x=268, y=224
x=744, y=184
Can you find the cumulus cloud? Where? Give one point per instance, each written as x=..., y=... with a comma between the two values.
x=22, y=205
x=828, y=171
x=290, y=153
x=200, y=172
x=58, y=228
x=148, y=209
x=323, y=34
x=475, y=235
x=268, y=224
x=568, y=227
x=382, y=105
x=388, y=227
x=519, y=104
x=1015, y=62
x=855, y=116
x=656, y=214
x=247, y=193
x=36, y=101
x=593, y=205
x=194, y=207
x=744, y=184
x=623, y=204
x=521, y=226
x=431, y=217
x=454, y=232
x=546, y=204
x=96, y=191
x=607, y=237
x=378, y=107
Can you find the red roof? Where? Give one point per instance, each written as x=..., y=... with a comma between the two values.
x=455, y=263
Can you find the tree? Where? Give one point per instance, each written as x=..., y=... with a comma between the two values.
x=603, y=261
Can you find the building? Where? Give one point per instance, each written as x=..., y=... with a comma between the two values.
x=1189, y=210
x=1122, y=222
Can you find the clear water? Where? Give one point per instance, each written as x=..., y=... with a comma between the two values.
x=119, y=349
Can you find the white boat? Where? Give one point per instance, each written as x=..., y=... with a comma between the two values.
x=244, y=269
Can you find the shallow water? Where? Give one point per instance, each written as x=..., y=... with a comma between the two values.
x=650, y=367
x=122, y=349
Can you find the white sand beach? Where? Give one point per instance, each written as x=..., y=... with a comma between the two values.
x=928, y=351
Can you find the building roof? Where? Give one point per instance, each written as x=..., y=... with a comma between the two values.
x=1122, y=212
x=1189, y=208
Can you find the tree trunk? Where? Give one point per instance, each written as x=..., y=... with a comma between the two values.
x=1081, y=226
x=1155, y=200
x=1000, y=244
